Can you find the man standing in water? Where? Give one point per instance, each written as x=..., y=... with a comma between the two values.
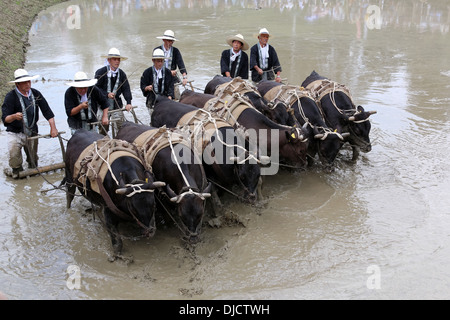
x=113, y=83
x=234, y=61
x=264, y=61
x=157, y=80
x=82, y=100
x=20, y=114
x=174, y=59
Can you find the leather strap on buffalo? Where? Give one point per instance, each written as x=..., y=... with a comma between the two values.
x=109, y=202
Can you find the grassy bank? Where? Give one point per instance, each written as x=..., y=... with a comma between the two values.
x=16, y=18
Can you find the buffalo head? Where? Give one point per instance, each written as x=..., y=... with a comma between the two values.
x=294, y=146
x=137, y=198
x=359, y=127
x=190, y=209
x=328, y=145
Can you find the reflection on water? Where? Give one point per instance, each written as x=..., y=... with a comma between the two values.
x=416, y=15
x=318, y=233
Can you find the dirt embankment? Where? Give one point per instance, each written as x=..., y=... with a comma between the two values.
x=16, y=18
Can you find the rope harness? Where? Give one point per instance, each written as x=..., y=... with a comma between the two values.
x=321, y=88
x=202, y=124
x=289, y=95
x=152, y=142
x=95, y=162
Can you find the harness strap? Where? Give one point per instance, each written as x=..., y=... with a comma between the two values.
x=109, y=201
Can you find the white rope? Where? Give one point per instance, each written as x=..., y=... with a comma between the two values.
x=137, y=188
x=176, y=160
x=107, y=162
x=211, y=119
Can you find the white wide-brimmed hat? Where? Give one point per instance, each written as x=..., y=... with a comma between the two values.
x=158, y=54
x=263, y=31
x=81, y=80
x=21, y=75
x=168, y=35
x=114, y=53
x=239, y=37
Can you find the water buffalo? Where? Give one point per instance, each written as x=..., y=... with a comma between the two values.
x=340, y=112
x=186, y=187
x=277, y=112
x=288, y=144
x=111, y=174
x=227, y=161
x=326, y=142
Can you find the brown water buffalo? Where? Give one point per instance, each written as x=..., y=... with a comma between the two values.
x=340, y=112
x=186, y=187
x=225, y=156
x=324, y=142
x=283, y=144
x=277, y=112
x=111, y=174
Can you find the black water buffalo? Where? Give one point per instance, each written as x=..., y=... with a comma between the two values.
x=186, y=187
x=324, y=142
x=225, y=156
x=277, y=112
x=340, y=112
x=111, y=174
x=291, y=144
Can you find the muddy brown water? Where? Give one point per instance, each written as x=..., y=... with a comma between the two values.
x=374, y=229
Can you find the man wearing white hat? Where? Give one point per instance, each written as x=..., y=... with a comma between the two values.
x=82, y=100
x=264, y=61
x=234, y=61
x=157, y=80
x=113, y=82
x=20, y=114
x=174, y=59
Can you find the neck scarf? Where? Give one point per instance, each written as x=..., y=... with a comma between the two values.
x=27, y=111
x=233, y=57
x=84, y=117
x=168, y=54
x=112, y=74
x=158, y=74
x=264, y=55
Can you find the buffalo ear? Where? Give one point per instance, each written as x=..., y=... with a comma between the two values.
x=121, y=182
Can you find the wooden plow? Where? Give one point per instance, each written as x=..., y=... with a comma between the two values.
x=112, y=122
x=35, y=171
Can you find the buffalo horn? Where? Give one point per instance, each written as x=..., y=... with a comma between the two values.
x=319, y=136
x=372, y=112
x=351, y=118
x=122, y=191
x=345, y=134
x=158, y=184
